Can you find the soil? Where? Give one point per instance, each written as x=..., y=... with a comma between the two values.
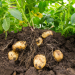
x=24, y=64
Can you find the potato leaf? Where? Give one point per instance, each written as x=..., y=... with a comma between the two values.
x=74, y=30
x=0, y=4
x=42, y=6
x=73, y=18
x=6, y=24
x=16, y=13
x=73, y=1
x=36, y=20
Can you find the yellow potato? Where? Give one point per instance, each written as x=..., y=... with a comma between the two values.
x=46, y=34
x=39, y=61
x=19, y=45
x=13, y=55
x=58, y=55
x=39, y=41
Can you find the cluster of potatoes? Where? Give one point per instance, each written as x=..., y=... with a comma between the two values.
x=39, y=60
x=18, y=46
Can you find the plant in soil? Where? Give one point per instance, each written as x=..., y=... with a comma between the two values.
x=26, y=63
x=54, y=15
x=32, y=29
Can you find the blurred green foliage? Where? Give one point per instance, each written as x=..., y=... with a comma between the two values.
x=44, y=14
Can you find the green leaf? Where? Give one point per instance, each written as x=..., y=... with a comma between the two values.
x=67, y=28
x=73, y=1
x=50, y=20
x=74, y=30
x=16, y=13
x=35, y=9
x=6, y=24
x=36, y=20
x=73, y=18
x=42, y=6
x=0, y=4
x=30, y=3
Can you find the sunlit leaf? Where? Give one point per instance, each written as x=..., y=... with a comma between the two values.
x=73, y=1
x=16, y=13
x=42, y=6
x=6, y=24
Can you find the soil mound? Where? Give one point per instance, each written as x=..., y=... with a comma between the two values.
x=24, y=64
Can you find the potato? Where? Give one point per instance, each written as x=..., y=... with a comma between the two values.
x=19, y=45
x=13, y=55
x=46, y=34
x=39, y=41
x=58, y=55
x=39, y=61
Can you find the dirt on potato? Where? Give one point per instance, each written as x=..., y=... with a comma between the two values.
x=24, y=64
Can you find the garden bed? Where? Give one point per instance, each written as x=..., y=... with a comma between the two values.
x=24, y=64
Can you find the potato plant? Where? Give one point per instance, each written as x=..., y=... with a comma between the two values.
x=55, y=15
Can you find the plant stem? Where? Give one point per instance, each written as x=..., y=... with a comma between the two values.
x=68, y=14
x=25, y=18
x=5, y=35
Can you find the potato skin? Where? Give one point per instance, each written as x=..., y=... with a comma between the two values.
x=19, y=45
x=13, y=55
x=39, y=61
x=58, y=55
x=46, y=34
x=39, y=41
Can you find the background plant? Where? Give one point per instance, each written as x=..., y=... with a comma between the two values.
x=44, y=14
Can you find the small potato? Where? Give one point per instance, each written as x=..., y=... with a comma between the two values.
x=39, y=61
x=46, y=34
x=19, y=45
x=39, y=41
x=13, y=55
x=58, y=55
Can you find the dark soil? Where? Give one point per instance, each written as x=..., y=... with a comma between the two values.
x=24, y=64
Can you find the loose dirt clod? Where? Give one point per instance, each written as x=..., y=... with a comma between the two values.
x=31, y=71
x=5, y=44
